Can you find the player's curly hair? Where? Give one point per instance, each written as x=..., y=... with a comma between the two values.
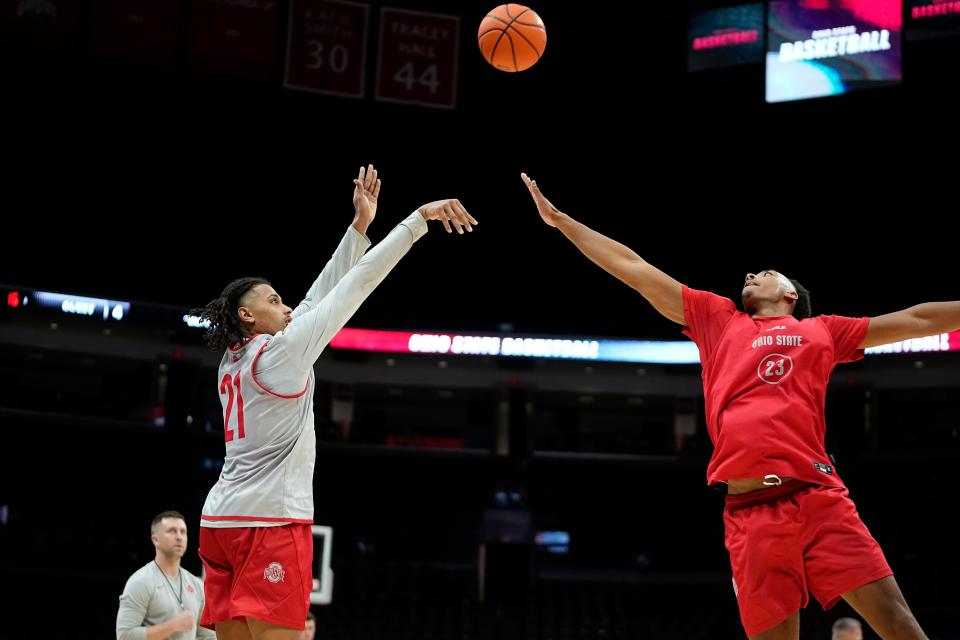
x=225, y=327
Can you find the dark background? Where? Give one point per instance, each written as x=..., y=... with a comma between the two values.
x=160, y=185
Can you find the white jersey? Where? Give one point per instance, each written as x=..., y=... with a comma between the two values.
x=266, y=390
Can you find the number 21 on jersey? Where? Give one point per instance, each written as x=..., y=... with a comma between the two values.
x=227, y=386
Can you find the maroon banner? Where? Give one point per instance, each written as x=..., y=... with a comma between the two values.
x=326, y=47
x=234, y=38
x=137, y=31
x=418, y=57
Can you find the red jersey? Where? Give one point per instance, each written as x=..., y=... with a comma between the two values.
x=765, y=383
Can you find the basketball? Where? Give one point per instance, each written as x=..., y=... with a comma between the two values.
x=512, y=37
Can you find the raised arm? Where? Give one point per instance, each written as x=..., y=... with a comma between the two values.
x=930, y=318
x=307, y=336
x=366, y=191
x=659, y=289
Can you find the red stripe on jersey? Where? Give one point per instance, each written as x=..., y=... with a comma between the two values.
x=236, y=347
x=279, y=395
x=256, y=519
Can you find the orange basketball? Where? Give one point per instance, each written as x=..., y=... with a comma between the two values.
x=512, y=37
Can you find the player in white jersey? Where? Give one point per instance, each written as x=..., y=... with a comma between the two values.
x=255, y=536
x=162, y=600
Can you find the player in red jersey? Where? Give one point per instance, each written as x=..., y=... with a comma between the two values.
x=791, y=528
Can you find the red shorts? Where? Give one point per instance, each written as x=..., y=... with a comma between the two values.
x=793, y=540
x=257, y=572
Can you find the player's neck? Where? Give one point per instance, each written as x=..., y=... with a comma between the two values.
x=170, y=566
x=770, y=311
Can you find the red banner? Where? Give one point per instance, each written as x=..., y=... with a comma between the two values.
x=326, y=47
x=234, y=38
x=138, y=31
x=418, y=57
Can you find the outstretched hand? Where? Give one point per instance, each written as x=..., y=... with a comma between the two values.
x=550, y=214
x=365, y=192
x=448, y=212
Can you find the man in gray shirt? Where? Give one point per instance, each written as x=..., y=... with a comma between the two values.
x=162, y=599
